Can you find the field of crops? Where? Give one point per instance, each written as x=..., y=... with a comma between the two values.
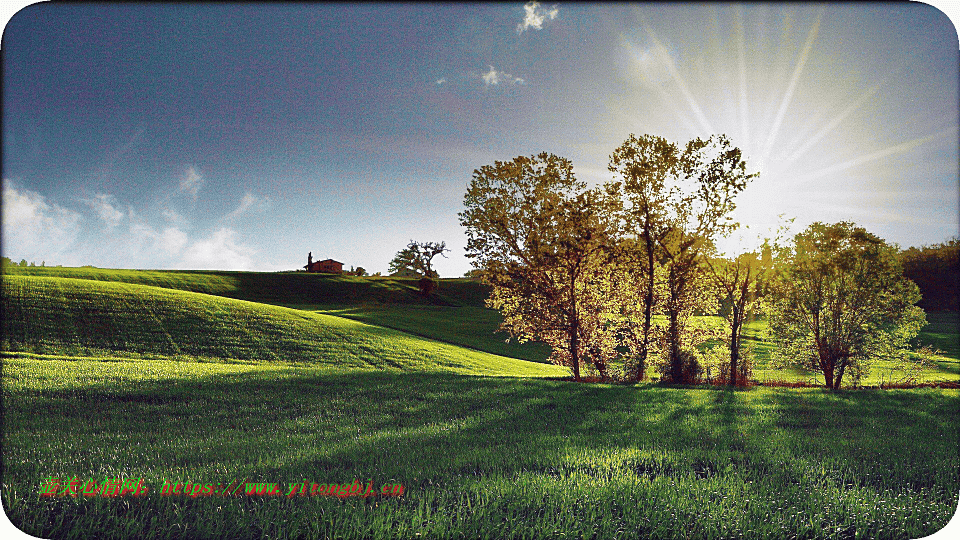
x=122, y=379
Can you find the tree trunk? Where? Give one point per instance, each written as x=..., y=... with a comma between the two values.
x=676, y=362
x=647, y=307
x=734, y=345
x=574, y=330
x=843, y=365
x=828, y=373
x=575, y=351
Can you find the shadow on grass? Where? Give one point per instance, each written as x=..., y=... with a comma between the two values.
x=440, y=434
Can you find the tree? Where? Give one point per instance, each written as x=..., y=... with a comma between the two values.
x=418, y=256
x=677, y=202
x=643, y=164
x=541, y=239
x=841, y=302
x=740, y=281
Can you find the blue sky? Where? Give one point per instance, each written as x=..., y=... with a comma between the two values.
x=245, y=136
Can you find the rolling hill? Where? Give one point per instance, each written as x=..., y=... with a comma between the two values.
x=57, y=316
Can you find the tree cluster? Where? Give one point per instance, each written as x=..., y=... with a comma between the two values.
x=613, y=276
x=936, y=270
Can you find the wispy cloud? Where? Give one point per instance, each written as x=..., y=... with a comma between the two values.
x=34, y=228
x=494, y=77
x=103, y=205
x=191, y=182
x=534, y=17
x=146, y=242
x=248, y=203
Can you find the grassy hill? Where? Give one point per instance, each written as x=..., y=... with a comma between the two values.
x=454, y=314
x=181, y=377
x=77, y=317
x=280, y=287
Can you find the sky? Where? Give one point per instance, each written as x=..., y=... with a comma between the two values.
x=245, y=136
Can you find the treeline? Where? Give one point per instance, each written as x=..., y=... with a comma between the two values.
x=936, y=270
x=613, y=276
x=6, y=262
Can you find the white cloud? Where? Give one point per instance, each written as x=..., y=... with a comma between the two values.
x=146, y=243
x=219, y=251
x=534, y=17
x=103, y=204
x=494, y=77
x=34, y=229
x=249, y=201
x=191, y=182
x=441, y=81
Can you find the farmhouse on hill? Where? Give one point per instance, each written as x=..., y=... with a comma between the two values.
x=328, y=266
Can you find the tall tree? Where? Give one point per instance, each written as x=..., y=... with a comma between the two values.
x=418, y=256
x=842, y=301
x=643, y=164
x=677, y=201
x=540, y=239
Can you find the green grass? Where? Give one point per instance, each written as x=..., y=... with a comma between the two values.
x=187, y=376
x=478, y=456
x=468, y=326
x=280, y=288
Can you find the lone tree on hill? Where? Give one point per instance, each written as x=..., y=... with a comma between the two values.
x=418, y=256
x=842, y=301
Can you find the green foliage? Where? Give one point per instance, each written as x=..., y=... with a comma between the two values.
x=540, y=239
x=841, y=302
x=677, y=202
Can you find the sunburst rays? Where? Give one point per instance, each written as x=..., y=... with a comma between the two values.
x=767, y=83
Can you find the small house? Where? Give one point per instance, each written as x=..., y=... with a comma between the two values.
x=328, y=266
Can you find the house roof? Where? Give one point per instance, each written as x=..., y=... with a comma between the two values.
x=329, y=260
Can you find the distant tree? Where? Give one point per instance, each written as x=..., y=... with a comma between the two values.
x=540, y=239
x=936, y=270
x=418, y=256
x=23, y=263
x=740, y=282
x=842, y=302
x=360, y=271
x=472, y=274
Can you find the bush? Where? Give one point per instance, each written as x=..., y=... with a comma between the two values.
x=427, y=285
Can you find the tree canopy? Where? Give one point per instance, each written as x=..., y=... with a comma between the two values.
x=841, y=301
x=539, y=237
x=418, y=257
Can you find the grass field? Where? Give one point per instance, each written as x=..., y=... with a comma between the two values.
x=107, y=375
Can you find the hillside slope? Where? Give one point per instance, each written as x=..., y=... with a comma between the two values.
x=82, y=317
x=281, y=287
